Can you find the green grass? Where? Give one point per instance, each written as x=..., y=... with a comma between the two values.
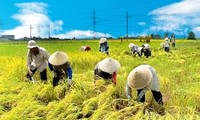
x=178, y=72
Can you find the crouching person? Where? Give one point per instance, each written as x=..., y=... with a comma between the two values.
x=135, y=49
x=146, y=50
x=61, y=67
x=107, y=69
x=37, y=59
x=85, y=48
x=144, y=78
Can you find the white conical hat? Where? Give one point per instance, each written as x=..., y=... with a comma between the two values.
x=139, y=77
x=102, y=40
x=58, y=58
x=131, y=45
x=109, y=65
x=83, y=48
x=31, y=44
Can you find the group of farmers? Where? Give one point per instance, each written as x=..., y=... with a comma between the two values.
x=141, y=78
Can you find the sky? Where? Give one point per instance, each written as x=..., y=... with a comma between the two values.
x=98, y=18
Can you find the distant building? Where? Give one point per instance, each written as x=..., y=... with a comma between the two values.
x=7, y=37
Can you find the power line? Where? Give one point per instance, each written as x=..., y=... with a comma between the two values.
x=0, y=26
x=38, y=31
x=31, y=31
x=49, y=30
x=127, y=18
x=94, y=23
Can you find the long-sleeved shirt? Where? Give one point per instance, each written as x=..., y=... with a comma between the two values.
x=38, y=61
x=66, y=68
x=167, y=44
x=135, y=48
x=104, y=47
x=154, y=84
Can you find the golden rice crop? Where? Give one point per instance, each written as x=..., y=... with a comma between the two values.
x=178, y=72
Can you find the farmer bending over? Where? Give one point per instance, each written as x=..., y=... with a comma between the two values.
x=146, y=50
x=85, y=48
x=107, y=69
x=144, y=78
x=135, y=49
x=61, y=67
x=37, y=59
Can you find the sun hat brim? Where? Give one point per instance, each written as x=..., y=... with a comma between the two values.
x=32, y=44
x=58, y=58
x=30, y=47
x=102, y=40
x=140, y=77
x=109, y=65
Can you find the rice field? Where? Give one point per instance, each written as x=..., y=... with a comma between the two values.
x=178, y=72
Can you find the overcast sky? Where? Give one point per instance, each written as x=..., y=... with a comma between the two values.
x=108, y=18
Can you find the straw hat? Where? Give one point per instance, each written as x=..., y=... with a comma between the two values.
x=109, y=65
x=58, y=58
x=31, y=44
x=131, y=45
x=102, y=40
x=139, y=77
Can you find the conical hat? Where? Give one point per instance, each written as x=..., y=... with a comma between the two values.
x=131, y=45
x=83, y=48
x=102, y=40
x=109, y=65
x=58, y=58
x=139, y=77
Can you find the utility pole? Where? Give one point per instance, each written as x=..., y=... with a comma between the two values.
x=94, y=24
x=38, y=31
x=127, y=18
x=31, y=31
x=49, y=31
x=1, y=28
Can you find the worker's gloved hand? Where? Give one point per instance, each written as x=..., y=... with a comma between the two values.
x=69, y=81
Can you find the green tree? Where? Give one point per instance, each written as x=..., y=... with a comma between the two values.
x=166, y=35
x=152, y=36
x=191, y=36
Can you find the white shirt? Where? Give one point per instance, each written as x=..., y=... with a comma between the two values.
x=38, y=61
x=135, y=48
x=154, y=85
x=167, y=44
